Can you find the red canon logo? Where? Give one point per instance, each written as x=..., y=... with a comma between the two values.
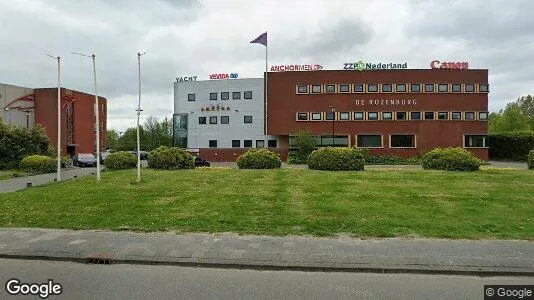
x=436, y=64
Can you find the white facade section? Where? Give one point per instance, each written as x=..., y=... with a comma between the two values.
x=199, y=135
x=14, y=113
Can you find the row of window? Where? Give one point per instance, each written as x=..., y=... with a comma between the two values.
x=247, y=143
x=393, y=88
x=224, y=120
x=395, y=141
x=390, y=115
x=224, y=96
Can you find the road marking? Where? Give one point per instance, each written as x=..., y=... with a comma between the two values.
x=77, y=242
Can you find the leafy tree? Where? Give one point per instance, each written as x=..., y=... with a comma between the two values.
x=511, y=119
x=526, y=105
x=112, y=139
x=17, y=142
x=304, y=146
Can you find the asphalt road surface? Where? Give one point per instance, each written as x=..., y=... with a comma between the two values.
x=82, y=281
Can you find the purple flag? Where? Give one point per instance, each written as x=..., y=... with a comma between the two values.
x=262, y=39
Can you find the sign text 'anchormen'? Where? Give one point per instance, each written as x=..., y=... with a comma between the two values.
x=282, y=68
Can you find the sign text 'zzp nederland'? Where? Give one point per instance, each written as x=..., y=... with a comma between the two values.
x=361, y=66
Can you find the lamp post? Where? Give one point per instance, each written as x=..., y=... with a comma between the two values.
x=333, y=110
x=27, y=114
x=97, y=116
x=9, y=114
x=138, y=116
x=58, y=117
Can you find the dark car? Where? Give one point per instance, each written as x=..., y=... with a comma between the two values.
x=84, y=160
x=143, y=154
x=201, y=162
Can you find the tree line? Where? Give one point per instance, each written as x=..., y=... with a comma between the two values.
x=517, y=116
x=152, y=134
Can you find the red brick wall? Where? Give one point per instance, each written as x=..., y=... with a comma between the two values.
x=284, y=103
x=83, y=118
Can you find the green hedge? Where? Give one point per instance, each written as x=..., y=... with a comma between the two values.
x=531, y=159
x=170, y=158
x=336, y=159
x=38, y=164
x=18, y=142
x=451, y=159
x=371, y=159
x=511, y=145
x=259, y=159
x=120, y=161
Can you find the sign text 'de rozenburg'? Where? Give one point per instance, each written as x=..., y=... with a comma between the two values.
x=386, y=102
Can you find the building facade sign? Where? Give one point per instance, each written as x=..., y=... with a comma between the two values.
x=387, y=102
x=282, y=68
x=186, y=78
x=224, y=76
x=214, y=108
x=361, y=66
x=436, y=64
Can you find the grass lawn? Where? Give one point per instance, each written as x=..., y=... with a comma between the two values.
x=6, y=174
x=375, y=203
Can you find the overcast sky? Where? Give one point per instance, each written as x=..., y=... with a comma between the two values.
x=188, y=37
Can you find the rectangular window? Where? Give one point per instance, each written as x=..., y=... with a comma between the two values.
x=429, y=115
x=344, y=116
x=372, y=116
x=317, y=116
x=469, y=115
x=213, y=96
x=387, y=88
x=456, y=115
x=190, y=97
x=344, y=88
x=225, y=95
x=483, y=88
x=316, y=89
x=358, y=88
x=483, y=116
x=225, y=119
x=213, y=120
x=330, y=88
x=236, y=144
x=475, y=141
x=302, y=89
x=372, y=88
x=302, y=116
x=236, y=95
x=443, y=115
x=387, y=115
x=201, y=120
x=247, y=95
x=443, y=88
x=402, y=141
x=272, y=143
x=247, y=119
x=456, y=88
x=260, y=143
x=402, y=115
x=369, y=141
x=213, y=143
x=358, y=116
x=429, y=87
x=400, y=88
x=415, y=87
x=247, y=143
x=469, y=88
x=415, y=115
x=330, y=116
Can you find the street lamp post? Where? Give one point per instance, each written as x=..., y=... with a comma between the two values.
x=58, y=117
x=27, y=114
x=96, y=108
x=333, y=109
x=138, y=116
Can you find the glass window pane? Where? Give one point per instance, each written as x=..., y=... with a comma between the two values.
x=302, y=116
x=415, y=88
x=344, y=88
x=213, y=96
x=400, y=88
x=225, y=95
x=247, y=95
x=330, y=88
x=358, y=115
x=236, y=95
x=429, y=88
x=344, y=116
x=456, y=87
x=368, y=141
x=429, y=115
x=387, y=87
x=372, y=116
x=373, y=87
x=316, y=116
x=470, y=87
x=456, y=115
x=302, y=89
x=387, y=115
x=402, y=115
x=404, y=141
x=469, y=115
x=358, y=88
x=443, y=87
x=316, y=88
x=415, y=115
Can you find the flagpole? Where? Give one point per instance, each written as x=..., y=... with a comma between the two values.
x=266, y=70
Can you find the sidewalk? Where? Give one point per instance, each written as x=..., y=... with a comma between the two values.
x=19, y=183
x=488, y=257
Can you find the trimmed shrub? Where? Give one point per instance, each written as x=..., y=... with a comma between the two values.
x=371, y=159
x=259, y=159
x=170, y=158
x=17, y=142
x=66, y=161
x=303, y=146
x=120, y=161
x=531, y=159
x=511, y=145
x=38, y=164
x=451, y=159
x=336, y=159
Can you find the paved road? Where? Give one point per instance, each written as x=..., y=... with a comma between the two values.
x=81, y=281
x=494, y=257
x=13, y=184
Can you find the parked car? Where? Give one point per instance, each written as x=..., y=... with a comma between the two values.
x=143, y=154
x=201, y=162
x=84, y=160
